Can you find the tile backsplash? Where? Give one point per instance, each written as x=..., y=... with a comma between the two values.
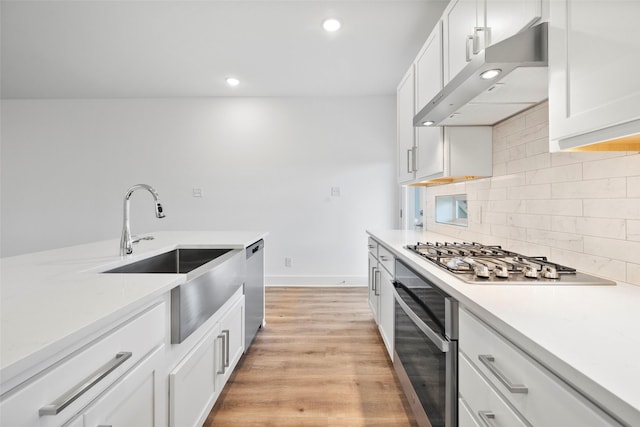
x=578, y=209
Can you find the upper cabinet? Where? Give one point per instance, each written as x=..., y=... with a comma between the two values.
x=405, y=107
x=594, y=89
x=471, y=25
x=428, y=155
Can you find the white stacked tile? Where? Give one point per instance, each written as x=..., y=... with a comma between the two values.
x=582, y=208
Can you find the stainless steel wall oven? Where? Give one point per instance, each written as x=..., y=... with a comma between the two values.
x=426, y=347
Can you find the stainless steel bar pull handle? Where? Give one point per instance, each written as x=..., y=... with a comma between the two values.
x=409, y=161
x=377, y=281
x=486, y=417
x=85, y=385
x=470, y=42
x=226, y=348
x=222, y=353
x=487, y=360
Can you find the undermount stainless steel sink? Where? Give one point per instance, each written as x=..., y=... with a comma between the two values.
x=212, y=277
x=177, y=261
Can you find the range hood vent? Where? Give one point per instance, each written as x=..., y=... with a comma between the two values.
x=471, y=100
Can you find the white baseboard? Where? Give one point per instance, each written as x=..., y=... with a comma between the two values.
x=339, y=281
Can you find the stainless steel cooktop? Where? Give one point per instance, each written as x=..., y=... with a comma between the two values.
x=477, y=263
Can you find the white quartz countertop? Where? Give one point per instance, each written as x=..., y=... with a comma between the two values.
x=588, y=335
x=52, y=298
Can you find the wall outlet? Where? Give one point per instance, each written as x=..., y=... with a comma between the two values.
x=197, y=192
x=335, y=191
x=287, y=262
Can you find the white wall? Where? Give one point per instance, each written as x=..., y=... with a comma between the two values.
x=263, y=164
x=578, y=209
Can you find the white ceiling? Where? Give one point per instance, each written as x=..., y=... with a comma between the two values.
x=151, y=48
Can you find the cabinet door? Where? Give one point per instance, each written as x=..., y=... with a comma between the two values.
x=428, y=68
x=387, y=307
x=192, y=385
x=373, y=286
x=468, y=151
x=405, y=131
x=459, y=22
x=229, y=343
x=131, y=402
x=429, y=141
x=504, y=18
x=594, y=89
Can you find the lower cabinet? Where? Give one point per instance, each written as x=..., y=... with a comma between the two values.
x=500, y=384
x=198, y=379
x=387, y=310
x=129, y=402
x=374, y=296
x=381, y=299
x=109, y=381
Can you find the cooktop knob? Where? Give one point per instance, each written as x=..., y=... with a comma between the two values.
x=549, y=272
x=501, y=271
x=531, y=272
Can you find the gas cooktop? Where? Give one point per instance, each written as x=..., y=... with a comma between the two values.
x=477, y=263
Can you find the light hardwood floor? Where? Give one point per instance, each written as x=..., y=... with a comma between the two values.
x=319, y=361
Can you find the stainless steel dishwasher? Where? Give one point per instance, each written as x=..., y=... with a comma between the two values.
x=254, y=292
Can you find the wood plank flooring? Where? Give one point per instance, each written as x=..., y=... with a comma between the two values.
x=319, y=361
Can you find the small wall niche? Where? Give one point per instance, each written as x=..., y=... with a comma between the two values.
x=452, y=209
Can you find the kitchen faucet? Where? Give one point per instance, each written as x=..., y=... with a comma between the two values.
x=126, y=245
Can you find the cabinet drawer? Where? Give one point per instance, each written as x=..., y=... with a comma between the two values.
x=386, y=259
x=58, y=394
x=131, y=401
x=547, y=401
x=373, y=247
x=482, y=399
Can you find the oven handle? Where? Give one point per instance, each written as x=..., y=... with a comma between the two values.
x=442, y=344
x=421, y=303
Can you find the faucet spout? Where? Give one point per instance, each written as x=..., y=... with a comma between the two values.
x=126, y=244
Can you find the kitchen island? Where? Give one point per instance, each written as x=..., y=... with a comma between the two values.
x=57, y=307
x=585, y=335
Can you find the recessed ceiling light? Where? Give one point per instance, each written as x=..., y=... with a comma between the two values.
x=331, y=25
x=232, y=81
x=428, y=123
x=489, y=74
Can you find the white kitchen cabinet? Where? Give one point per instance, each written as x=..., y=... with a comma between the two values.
x=429, y=142
x=381, y=299
x=130, y=402
x=374, y=279
x=405, y=138
x=483, y=402
x=428, y=68
x=229, y=343
x=387, y=310
x=192, y=384
x=469, y=26
x=459, y=20
x=42, y=401
x=196, y=382
x=493, y=373
x=594, y=90
x=504, y=18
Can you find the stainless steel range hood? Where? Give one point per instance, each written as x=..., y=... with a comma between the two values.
x=471, y=100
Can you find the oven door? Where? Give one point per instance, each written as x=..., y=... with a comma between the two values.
x=426, y=363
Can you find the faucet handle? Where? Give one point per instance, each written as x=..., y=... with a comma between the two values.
x=138, y=239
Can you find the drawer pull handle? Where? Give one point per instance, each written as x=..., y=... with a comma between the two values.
x=226, y=348
x=486, y=417
x=72, y=395
x=487, y=360
x=384, y=258
x=223, y=351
